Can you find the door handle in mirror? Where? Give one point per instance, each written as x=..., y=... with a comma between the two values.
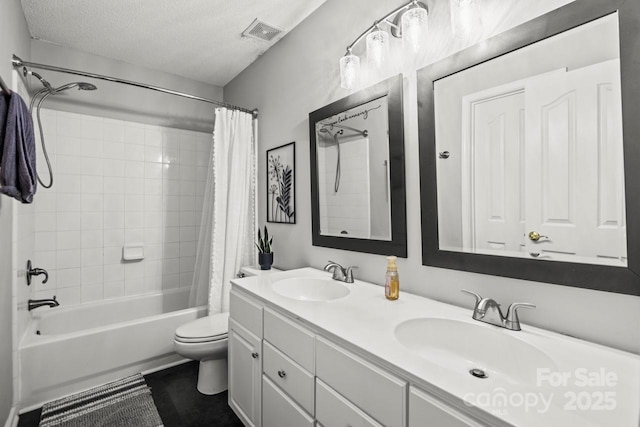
x=534, y=236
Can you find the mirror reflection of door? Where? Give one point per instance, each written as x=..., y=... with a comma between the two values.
x=574, y=147
x=353, y=172
x=542, y=156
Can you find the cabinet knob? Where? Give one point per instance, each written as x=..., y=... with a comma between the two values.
x=282, y=374
x=255, y=355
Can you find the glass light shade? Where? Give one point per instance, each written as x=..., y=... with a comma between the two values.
x=349, y=70
x=414, y=27
x=377, y=46
x=465, y=17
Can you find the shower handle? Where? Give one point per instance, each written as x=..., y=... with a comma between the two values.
x=35, y=272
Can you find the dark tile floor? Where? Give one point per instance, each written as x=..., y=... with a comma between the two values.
x=178, y=401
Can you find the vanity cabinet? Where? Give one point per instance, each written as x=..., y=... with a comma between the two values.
x=284, y=374
x=245, y=359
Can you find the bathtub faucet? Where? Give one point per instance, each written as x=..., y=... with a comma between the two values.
x=35, y=303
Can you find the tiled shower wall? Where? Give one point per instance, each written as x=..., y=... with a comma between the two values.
x=117, y=183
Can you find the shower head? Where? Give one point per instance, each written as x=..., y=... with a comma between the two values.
x=80, y=85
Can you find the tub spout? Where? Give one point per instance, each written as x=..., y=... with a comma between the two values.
x=35, y=303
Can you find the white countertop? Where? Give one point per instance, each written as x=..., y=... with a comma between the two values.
x=594, y=376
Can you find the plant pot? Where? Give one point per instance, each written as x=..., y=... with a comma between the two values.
x=265, y=260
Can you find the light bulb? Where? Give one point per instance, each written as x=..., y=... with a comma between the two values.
x=377, y=46
x=465, y=16
x=349, y=69
x=414, y=27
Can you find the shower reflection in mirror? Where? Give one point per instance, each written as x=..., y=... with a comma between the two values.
x=353, y=173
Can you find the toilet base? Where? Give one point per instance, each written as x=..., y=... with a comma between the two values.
x=212, y=376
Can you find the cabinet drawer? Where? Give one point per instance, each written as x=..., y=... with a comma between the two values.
x=333, y=410
x=246, y=311
x=289, y=376
x=426, y=410
x=378, y=393
x=290, y=338
x=278, y=410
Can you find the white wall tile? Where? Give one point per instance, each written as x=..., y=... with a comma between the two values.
x=92, y=184
x=114, y=150
x=67, y=240
x=114, y=237
x=91, y=293
x=114, y=289
x=68, y=277
x=67, y=183
x=133, y=169
x=68, y=221
x=68, y=258
x=92, y=239
x=113, y=220
x=92, y=275
x=113, y=168
x=68, y=202
x=117, y=182
x=92, y=203
x=113, y=202
x=134, y=134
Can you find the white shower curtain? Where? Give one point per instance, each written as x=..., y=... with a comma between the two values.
x=228, y=224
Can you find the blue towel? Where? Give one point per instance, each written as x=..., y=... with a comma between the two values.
x=17, y=149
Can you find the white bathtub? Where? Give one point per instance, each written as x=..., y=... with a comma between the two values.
x=66, y=350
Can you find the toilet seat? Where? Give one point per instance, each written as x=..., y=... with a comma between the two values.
x=210, y=328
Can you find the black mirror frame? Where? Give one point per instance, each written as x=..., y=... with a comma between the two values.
x=598, y=277
x=392, y=88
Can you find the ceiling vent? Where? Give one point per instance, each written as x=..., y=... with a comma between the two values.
x=261, y=31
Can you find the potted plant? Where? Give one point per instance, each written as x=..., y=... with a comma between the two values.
x=265, y=255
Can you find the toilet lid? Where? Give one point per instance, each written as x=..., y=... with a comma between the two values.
x=208, y=328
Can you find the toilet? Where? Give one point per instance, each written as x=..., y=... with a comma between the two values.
x=206, y=340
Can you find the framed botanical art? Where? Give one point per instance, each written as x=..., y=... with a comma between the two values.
x=281, y=184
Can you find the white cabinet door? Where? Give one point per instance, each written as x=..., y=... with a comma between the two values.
x=426, y=411
x=245, y=370
x=370, y=388
x=280, y=410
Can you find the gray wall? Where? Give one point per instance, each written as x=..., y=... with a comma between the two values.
x=300, y=74
x=14, y=38
x=124, y=102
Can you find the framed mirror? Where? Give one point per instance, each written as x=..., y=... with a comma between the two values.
x=529, y=154
x=357, y=172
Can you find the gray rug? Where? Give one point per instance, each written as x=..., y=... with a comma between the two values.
x=126, y=402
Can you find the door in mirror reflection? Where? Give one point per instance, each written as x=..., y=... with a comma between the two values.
x=353, y=172
x=540, y=157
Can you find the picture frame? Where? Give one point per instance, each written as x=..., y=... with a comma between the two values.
x=281, y=184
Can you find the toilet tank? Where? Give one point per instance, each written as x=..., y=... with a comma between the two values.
x=255, y=271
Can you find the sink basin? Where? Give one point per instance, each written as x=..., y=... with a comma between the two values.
x=310, y=289
x=466, y=345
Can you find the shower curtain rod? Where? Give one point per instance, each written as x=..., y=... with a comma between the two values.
x=17, y=62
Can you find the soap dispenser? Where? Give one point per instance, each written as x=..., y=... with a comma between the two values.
x=392, y=280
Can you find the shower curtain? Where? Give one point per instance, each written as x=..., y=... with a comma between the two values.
x=228, y=224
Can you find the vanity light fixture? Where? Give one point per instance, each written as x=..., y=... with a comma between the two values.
x=409, y=20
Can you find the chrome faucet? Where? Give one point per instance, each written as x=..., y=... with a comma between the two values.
x=35, y=303
x=488, y=310
x=339, y=272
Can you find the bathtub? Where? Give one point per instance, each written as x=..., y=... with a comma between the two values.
x=66, y=350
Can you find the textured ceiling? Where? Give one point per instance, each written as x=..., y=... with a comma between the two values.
x=198, y=39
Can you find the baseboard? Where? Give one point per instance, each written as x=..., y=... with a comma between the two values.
x=12, y=419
